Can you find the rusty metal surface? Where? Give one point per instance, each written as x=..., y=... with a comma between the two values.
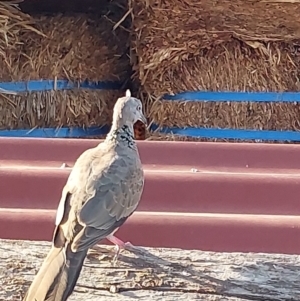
x=209, y=196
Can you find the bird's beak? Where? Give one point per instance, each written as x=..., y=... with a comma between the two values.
x=143, y=119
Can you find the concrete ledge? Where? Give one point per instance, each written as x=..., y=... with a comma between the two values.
x=159, y=274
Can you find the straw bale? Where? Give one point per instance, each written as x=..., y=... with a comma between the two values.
x=12, y=23
x=168, y=34
x=232, y=67
x=78, y=107
x=216, y=46
x=76, y=47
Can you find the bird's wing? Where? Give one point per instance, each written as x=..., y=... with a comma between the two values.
x=66, y=220
x=117, y=194
x=104, y=189
x=80, y=170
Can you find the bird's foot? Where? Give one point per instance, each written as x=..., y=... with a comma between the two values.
x=119, y=245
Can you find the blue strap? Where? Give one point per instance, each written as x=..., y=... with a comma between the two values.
x=233, y=133
x=201, y=96
x=56, y=133
x=46, y=85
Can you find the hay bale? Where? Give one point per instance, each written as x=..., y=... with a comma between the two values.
x=79, y=108
x=218, y=45
x=75, y=47
x=12, y=23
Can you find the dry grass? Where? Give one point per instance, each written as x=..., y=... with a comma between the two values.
x=168, y=34
x=75, y=47
x=218, y=45
x=258, y=116
x=13, y=23
x=232, y=67
x=57, y=108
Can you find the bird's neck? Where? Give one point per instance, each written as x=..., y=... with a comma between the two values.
x=122, y=134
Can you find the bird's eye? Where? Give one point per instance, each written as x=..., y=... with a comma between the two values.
x=139, y=108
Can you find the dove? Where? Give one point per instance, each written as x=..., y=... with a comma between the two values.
x=103, y=189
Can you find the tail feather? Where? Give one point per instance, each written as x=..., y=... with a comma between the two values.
x=57, y=277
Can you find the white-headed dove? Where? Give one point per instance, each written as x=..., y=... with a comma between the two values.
x=104, y=188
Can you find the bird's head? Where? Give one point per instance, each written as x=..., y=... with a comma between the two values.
x=128, y=110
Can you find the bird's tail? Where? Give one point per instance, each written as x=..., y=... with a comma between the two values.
x=57, y=277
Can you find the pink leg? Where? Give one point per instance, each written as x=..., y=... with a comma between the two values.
x=119, y=245
x=116, y=241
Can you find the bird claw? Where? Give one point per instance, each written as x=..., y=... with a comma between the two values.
x=118, y=248
x=120, y=245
